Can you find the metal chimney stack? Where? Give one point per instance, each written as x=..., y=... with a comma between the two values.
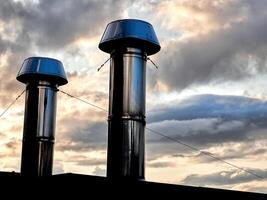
x=128, y=42
x=42, y=76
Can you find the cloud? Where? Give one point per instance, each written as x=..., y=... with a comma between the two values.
x=203, y=42
x=205, y=120
x=57, y=29
x=161, y=164
x=91, y=162
x=42, y=28
x=87, y=136
x=92, y=158
x=58, y=168
x=224, y=177
x=205, y=15
x=233, y=151
x=231, y=127
x=232, y=51
x=256, y=186
x=192, y=121
x=94, y=133
x=53, y=24
x=99, y=171
x=203, y=132
x=212, y=106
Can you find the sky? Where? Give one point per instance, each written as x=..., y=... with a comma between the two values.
x=209, y=91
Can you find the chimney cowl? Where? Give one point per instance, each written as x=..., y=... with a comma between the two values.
x=42, y=77
x=130, y=33
x=42, y=68
x=129, y=42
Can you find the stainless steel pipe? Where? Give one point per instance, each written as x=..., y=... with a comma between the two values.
x=42, y=77
x=128, y=42
x=127, y=113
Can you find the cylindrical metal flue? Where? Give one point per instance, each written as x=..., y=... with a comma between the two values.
x=129, y=42
x=42, y=76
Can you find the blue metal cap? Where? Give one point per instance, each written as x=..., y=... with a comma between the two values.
x=40, y=68
x=129, y=33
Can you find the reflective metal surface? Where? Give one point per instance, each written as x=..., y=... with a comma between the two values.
x=40, y=68
x=130, y=33
x=39, y=129
x=129, y=41
x=127, y=114
x=42, y=76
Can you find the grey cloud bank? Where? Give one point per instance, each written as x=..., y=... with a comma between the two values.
x=212, y=106
x=234, y=51
x=224, y=177
x=206, y=121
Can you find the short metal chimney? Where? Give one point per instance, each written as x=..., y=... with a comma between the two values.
x=42, y=76
x=128, y=42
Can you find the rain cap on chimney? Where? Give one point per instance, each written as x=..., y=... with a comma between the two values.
x=41, y=68
x=130, y=33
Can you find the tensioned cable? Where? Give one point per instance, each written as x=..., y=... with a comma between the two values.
x=102, y=65
x=153, y=63
x=11, y=104
x=99, y=68
x=82, y=100
x=208, y=154
x=203, y=152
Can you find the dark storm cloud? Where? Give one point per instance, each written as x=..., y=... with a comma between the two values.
x=220, y=55
x=224, y=178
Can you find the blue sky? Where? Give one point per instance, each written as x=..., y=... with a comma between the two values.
x=209, y=91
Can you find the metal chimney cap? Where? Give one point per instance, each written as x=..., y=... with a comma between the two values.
x=41, y=68
x=130, y=33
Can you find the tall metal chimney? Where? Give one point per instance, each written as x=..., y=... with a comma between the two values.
x=42, y=76
x=128, y=42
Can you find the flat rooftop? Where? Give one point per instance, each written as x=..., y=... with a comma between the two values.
x=87, y=185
